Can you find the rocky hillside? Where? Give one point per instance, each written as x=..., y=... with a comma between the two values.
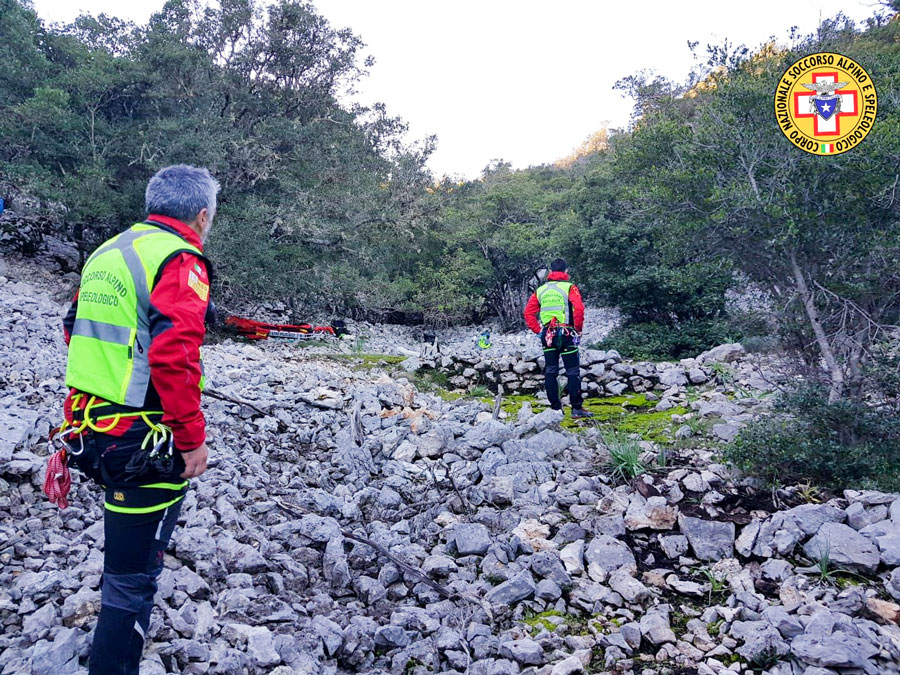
x=351, y=523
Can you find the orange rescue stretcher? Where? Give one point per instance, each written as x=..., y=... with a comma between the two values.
x=258, y=330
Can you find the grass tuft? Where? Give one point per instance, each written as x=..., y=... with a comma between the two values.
x=624, y=456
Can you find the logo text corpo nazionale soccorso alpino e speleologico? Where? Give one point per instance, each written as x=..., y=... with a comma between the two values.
x=826, y=103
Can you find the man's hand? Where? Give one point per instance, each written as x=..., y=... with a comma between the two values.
x=195, y=461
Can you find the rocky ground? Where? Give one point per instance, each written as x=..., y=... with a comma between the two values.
x=359, y=524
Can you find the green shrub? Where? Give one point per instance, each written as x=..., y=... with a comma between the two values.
x=658, y=342
x=883, y=370
x=432, y=381
x=839, y=445
x=753, y=322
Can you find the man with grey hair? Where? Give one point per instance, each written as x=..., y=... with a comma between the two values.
x=134, y=333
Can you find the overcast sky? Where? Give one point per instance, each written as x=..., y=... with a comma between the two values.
x=522, y=80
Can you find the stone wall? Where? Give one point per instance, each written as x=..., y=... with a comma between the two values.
x=603, y=373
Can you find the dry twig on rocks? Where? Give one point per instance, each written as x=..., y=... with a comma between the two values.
x=406, y=567
x=214, y=393
x=296, y=510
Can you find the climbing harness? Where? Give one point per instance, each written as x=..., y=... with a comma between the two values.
x=87, y=422
x=58, y=480
x=555, y=333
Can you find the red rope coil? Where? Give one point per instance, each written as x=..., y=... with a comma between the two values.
x=57, y=480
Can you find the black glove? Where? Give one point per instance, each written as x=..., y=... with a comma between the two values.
x=212, y=315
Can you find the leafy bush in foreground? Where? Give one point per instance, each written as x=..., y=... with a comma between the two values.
x=840, y=445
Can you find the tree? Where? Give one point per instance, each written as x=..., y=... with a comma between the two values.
x=507, y=226
x=311, y=188
x=23, y=66
x=820, y=234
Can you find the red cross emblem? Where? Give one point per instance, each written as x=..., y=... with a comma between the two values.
x=831, y=126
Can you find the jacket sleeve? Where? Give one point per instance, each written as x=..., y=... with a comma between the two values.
x=69, y=319
x=532, y=313
x=177, y=308
x=577, y=308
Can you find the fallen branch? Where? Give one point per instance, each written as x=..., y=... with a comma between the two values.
x=356, y=428
x=213, y=393
x=465, y=502
x=406, y=567
x=409, y=569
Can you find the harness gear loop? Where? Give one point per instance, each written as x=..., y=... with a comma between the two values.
x=158, y=435
x=92, y=425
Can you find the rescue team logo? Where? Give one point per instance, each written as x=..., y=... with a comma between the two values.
x=199, y=287
x=826, y=104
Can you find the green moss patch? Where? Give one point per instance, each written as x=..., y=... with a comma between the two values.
x=551, y=620
x=678, y=621
x=512, y=403
x=651, y=426
x=367, y=361
x=844, y=581
x=632, y=414
x=433, y=382
x=541, y=621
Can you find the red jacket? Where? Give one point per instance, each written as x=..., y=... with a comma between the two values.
x=533, y=308
x=177, y=328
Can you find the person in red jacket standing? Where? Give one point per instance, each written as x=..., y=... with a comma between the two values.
x=134, y=333
x=555, y=311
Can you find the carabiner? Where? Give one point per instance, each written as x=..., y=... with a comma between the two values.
x=156, y=446
x=57, y=436
x=69, y=449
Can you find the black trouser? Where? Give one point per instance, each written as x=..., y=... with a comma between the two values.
x=138, y=524
x=566, y=349
x=132, y=562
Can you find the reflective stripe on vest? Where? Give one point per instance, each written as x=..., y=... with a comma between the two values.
x=553, y=297
x=108, y=332
x=110, y=342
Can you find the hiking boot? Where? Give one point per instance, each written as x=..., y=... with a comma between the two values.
x=581, y=412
